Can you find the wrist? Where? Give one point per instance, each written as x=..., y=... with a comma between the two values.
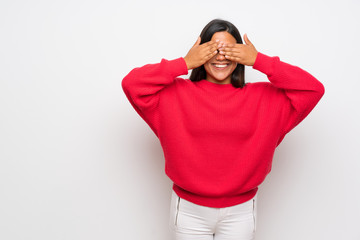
x=188, y=65
x=254, y=58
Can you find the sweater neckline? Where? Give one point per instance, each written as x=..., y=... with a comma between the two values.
x=206, y=83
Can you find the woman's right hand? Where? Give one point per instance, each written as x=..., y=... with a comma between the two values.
x=200, y=54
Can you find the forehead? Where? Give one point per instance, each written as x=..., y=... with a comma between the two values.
x=223, y=37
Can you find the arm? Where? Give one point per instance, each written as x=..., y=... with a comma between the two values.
x=302, y=90
x=142, y=86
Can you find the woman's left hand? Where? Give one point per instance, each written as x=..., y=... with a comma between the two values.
x=241, y=53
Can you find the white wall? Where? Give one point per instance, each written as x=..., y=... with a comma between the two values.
x=77, y=162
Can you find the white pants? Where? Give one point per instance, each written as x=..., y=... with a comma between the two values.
x=189, y=221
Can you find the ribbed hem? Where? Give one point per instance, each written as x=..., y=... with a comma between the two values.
x=220, y=202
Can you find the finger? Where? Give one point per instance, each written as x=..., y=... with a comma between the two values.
x=232, y=58
x=237, y=49
x=230, y=54
x=198, y=41
x=210, y=55
x=222, y=52
x=221, y=46
x=230, y=45
x=238, y=55
x=210, y=43
x=247, y=41
x=233, y=47
x=210, y=48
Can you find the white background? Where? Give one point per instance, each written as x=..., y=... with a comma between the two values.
x=77, y=162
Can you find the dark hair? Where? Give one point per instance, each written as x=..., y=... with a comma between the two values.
x=218, y=25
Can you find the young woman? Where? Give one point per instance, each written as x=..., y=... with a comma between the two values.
x=217, y=132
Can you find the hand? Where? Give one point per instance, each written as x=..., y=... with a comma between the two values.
x=200, y=54
x=241, y=53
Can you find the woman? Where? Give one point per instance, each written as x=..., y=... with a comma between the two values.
x=217, y=132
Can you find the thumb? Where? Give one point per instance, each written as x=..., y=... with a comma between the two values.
x=198, y=41
x=247, y=41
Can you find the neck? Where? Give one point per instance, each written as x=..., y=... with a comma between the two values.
x=213, y=80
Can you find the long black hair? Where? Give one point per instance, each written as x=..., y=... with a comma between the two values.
x=219, y=25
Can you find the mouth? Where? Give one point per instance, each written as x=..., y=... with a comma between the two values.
x=220, y=66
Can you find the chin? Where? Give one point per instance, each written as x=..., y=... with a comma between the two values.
x=222, y=78
x=219, y=72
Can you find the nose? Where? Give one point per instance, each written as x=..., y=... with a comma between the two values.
x=220, y=57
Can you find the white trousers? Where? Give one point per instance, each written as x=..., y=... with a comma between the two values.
x=189, y=221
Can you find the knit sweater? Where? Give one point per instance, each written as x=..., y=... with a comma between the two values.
x=218, y=140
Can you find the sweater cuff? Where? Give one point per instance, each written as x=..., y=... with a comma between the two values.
x=178, y=67
x=263, y=63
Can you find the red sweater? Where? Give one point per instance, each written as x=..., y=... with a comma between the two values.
x=218, y=140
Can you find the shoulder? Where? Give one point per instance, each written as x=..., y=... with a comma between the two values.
x=182, y=83
x=179, y=83
x=262, y=86
x=266, y=90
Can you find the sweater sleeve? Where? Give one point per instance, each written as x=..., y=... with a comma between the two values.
x=142, y=86
x=301, y=90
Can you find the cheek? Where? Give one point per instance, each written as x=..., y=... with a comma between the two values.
x=233, y=66
x=207, y=67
